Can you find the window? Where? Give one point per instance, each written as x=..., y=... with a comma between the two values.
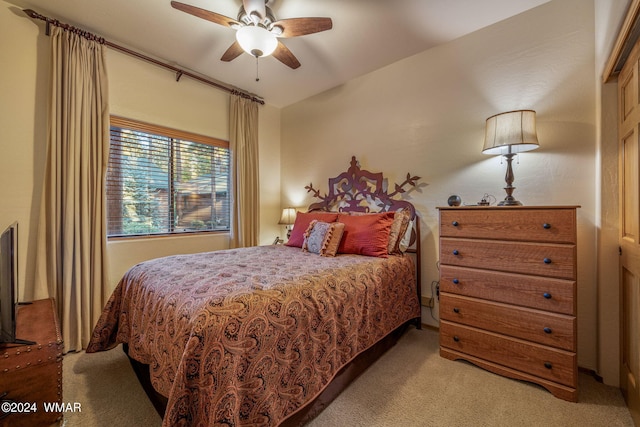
x=163, y=181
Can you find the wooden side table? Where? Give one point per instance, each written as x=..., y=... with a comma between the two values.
x=31, y=375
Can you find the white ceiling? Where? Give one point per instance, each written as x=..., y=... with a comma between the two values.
x=366, y=35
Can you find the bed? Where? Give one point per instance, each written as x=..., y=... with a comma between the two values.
x=269, y=335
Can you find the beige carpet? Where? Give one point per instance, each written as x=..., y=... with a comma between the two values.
x=411, y=385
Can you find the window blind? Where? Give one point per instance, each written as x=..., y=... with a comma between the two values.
x=161, y=181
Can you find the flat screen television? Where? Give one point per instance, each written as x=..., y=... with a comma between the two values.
x=8, y=283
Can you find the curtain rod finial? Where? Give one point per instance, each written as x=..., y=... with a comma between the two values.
x=30, y=12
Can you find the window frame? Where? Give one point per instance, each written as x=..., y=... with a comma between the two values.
x=136, y=125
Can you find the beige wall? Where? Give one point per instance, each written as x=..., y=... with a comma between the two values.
x=22, y=114
x=137, y=90
x=425, y=115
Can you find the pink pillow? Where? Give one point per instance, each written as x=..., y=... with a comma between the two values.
x=303, y=219
x=366, y=234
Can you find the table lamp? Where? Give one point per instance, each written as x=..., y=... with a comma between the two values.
x=287, y=218
x=508, y=134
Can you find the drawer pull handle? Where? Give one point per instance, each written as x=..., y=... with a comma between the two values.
x=546, y=226
x=548, y=365
x=456, y=281
x=456, y=310
x=456, y=339
x=547, y=295
x=547, y=330
x=455, y=223
x=547, y=260
x=455, y=252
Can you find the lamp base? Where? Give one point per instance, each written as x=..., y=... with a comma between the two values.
x=510, y=201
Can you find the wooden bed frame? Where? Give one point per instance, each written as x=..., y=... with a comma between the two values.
x=355, y=190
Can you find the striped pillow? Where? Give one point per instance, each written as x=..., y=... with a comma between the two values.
x=366, y=234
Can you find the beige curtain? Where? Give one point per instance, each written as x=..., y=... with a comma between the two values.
x=71, y=263
x=243, y=143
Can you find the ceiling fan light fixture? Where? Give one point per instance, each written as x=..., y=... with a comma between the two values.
x=258, y=32
x=255, y=17
x=256, y=40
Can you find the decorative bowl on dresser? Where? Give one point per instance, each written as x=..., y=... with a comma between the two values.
x=508, y=292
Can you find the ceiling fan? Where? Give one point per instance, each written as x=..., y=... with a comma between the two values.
x=258, y=30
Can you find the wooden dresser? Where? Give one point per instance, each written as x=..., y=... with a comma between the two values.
x=31, y=375
x=508, y=292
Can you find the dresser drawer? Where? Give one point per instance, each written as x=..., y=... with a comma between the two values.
x=535, y=359
x=535, y=225
x=556, y=295
x=549, y=260
x=556, y=330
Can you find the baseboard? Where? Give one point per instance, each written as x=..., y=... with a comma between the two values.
x=591, y=373
x=430, y=327
x=427, y=301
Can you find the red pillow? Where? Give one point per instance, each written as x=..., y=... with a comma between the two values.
x=303, y=219
x=366, y=234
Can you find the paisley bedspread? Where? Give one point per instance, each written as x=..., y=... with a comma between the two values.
x=248, y=336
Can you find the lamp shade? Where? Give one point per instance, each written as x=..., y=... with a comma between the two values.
x=288, y=216
x=511, y=132
x=256, y=40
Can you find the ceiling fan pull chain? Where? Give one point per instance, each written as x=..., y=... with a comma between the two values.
x=257, y=70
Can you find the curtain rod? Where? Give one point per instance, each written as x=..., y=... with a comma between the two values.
x=179, y=72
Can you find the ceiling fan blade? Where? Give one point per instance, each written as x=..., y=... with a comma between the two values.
x=294, y=27
x=205, y=14
x=284, y=55
x=257, y=6
x=232, y=53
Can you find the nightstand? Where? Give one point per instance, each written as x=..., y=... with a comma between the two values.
x=31, y=374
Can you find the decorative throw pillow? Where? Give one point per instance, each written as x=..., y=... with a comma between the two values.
x=399, y=227
x=366, y=234
x=303, y=219
x=323, y=238
x=401, y=220
x=405, y=241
